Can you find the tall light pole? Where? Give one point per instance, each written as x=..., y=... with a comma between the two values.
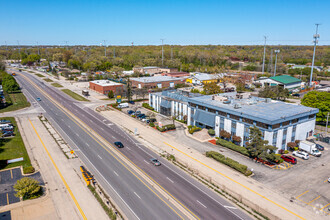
x=38, y=49
x=316, y=36
x=263, y=59
x=19, y=51
x=162, y=52
x=105, y=49
x=276, y=52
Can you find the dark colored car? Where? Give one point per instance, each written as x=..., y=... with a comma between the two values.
x=296, y=95
x=130, y=112
x=140, y=115
x=155, y=162
x=137, y=112
x=119, y=144
x=8, y=134
x=38, y=99
x=289, y=159
x=319, y=147
x=131, y=102
x=152, y=120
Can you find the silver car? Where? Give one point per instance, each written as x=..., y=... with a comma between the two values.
x=155, y=162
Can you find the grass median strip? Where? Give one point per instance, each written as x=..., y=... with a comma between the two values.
x=12, y=148
x=40, y=75
x=57, y=85
x=48, y=80
x=74, y=95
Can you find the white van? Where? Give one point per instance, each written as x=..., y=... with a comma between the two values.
x=123, y=105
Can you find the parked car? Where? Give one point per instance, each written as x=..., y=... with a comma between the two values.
x=140, y=115
x=289, y=159
x=131, y=102
x=119, y=144
x=130, y=112
x=5, y=122
x=152, y=120
x=147, y=120
x=123, y=105
x=137, y=112
x=155, y=162
x=7, y=134
x=320, y=147
x=329, y=180
x=296, y=95
x=301, y=154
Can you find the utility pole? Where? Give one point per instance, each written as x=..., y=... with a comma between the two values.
x=276, y=52
x=316, y=36
x=19, y=50
x=162, y=52
x=270, y=64
x=105, y=49
x=66, y=44
x=38, y=49
x=326, y=127
x=263, y=60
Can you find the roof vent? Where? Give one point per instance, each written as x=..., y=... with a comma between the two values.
x=236, y=106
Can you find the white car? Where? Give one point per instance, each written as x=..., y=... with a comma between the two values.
x=301, y=154
x=329, y=180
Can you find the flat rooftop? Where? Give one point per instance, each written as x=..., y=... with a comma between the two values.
x=105, y=83
x=152, y=79
x=270, y=112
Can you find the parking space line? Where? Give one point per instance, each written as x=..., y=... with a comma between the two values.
x=325, y=206
x=302, y=194
x=7, y=199
x=11, y=173
x=314, y=200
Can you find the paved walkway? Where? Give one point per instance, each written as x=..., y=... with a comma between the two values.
x=229, y=179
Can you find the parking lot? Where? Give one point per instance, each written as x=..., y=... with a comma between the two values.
x=8, y=179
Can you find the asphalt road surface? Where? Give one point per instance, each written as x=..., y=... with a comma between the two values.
x=136, y=197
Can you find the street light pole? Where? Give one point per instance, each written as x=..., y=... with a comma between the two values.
x=263, y=59
x=316, y=36
x=276, y=52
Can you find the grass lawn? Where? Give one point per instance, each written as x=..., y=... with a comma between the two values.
x=11, y=148
x=74, y=95
x=48, y=80
x=40, y=75
x=57, y=85
x=18, y=102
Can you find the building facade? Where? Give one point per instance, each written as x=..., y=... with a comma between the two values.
x=279, y=122
x=104, y=86
x=156, y=82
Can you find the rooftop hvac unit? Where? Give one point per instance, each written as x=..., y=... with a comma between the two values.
x=226, y=102
x=236, y=106
x=268, y=100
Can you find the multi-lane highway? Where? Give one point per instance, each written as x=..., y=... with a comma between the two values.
x=136, y=197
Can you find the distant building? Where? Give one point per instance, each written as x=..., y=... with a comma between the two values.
x=156, y=82
x=176, y=74
x=128, y=72
x=197, y=78
x=168, y=70
x=279, y=122
x=147, y=70
x=288, y=82
x=104, y=86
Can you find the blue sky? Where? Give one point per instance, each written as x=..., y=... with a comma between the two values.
x=145, y=22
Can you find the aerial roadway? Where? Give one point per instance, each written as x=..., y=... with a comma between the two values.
x=139, y=188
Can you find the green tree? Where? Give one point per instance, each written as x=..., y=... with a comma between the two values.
x=274, y=92
x=27, y=188
x=211, y=88
x=9, y=84
x=320, y=100
x=111, y=95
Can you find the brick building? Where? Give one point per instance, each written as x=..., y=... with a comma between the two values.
x=176, y=74
x=104, y=86
x=156, y=82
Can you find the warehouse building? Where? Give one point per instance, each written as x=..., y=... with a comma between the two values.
x=235, y=113
x=156, y=82
x=288, y=82
x=104, y=86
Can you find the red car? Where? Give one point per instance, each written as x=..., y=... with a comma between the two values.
x=289, y=159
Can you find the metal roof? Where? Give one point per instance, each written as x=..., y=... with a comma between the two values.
x=156, y=79
x=285, y=79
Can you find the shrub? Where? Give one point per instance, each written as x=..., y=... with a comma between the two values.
x=29, y=169
x=147, y=106
x=151, y=124
x=229, y=162
x=286, y=151
x=297, y=142
x=161, y=129
x=236, y=139
x=292, y=145
x=166, y=127
x=27, y=188
x=225, y=134
x=193, y=129
x=211, y=132
x=232, y=146
x=296, y=148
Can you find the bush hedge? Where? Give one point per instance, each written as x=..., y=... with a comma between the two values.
x=192, y=129
x=147, y=106
x=229, y=162
x=151, y=124
x=232, y=146
x=166, y=128
x=211, y=132
x=29, y=169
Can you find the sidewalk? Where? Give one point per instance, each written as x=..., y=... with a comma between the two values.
x=69, y=168
x=245, y=189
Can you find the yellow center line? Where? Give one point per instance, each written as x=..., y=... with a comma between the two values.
x=302, y=194
x=62, y=108
x=325, y=206
x=59, y=172
x=7, y=199
x=251, y=190
x=314, y=200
